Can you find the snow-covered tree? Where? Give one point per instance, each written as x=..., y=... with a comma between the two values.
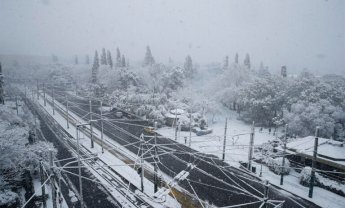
x=109, y=59
x=76, y=60
x=118, y=57
x=226, y=62
x=19, y=150
x=188, y=67
x=2, y=99
x=103, y=57
x=246, y=61
x=123, y=61
x=236, y=58
x=87, y=59
x=148, y=60
x=95, y=67
x=55, y=59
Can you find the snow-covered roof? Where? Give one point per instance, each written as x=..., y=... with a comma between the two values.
x=173, y=116
x=329, y=149
x=177, y=111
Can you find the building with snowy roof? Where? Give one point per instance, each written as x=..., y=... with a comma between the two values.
x=330, y=157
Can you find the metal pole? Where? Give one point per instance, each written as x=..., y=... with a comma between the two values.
x=102, y=126
x=190, y=129
x=44, y=94
x=155, y=162
x=53, y=100
x=17, y=105
x=38, y=89
x=250, y=154
x=90, y=102
x=266, y=193
x=43, y=186
x=79, y=172
x=142, y=162
x=67, y=117
x=312, y=178
x=284, y=153
x=224, y=142
x=52, y=178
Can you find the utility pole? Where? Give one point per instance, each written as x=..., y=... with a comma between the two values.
x=224, y=141
x=250, y=154
x=38, y=89
x=312, y=178
x=284, y=153
x=102, y=126
x=43, y=186
x=266, y=193
x=190, y=129
x=155, y=161
x=67, y=117
x=17, y=105
x=79, y=172
x=53, y=100
x=52, y=178
x=44, y=94
x=142, y=162
x=90, y=102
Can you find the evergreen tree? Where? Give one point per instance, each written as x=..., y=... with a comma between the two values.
x=76, y=60
x=123, y=61
x=149, y=60
x=236, y=58
x=87, y=59
x=103, y=57
x=95, y=68
x=2, y=99
x=55, y=59
x=109, y=59
x=226, y=62
x=188, y=67
x=118, y=57
x=246, y=61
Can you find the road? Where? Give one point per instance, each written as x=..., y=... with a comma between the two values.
x=211, y=180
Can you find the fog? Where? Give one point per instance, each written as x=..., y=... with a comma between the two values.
x=299, y=34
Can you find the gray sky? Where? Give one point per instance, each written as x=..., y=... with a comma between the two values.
x=297, y=33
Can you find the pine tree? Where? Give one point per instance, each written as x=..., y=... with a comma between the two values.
x=87, y=59
x=109, y=59
x=123, y=61
x=236, y=58
x=55, y=58
x=149, y=60
x=226, y=62
x=2, y=99
x=103, y=57
x=188, y=67
x=76, y=60
x=95, y=68
x=118, y=57
x=246, y=61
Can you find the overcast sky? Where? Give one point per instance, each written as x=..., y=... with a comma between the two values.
x=297, y=33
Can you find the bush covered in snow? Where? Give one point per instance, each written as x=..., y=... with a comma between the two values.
x=275, y=165
x=8, y=199
x=323, y=182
